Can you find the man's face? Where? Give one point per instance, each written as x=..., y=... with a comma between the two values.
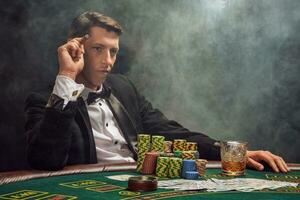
x=100, y=54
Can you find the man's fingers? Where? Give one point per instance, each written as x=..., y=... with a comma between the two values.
x=81, y=40
x=275, y=162
x=285, y=165
x=82, y=49
x=268, y=158
x=72, y=48
x=255, y=165
x=78, y=53
x=79, y=44
x=281, y=164
x=281, y=160
x=84, y=38
x=75, y=49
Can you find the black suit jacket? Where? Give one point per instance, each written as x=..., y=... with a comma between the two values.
x=63, y=137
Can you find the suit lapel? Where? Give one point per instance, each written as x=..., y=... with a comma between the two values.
x=88, y=132
x=124, y=121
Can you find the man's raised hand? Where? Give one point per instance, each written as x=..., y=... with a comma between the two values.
x=70, y=57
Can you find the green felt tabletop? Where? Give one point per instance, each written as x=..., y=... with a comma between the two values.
x=98, y=186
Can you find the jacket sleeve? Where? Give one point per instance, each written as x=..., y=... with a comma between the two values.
x=48, y=135
x=155, y=122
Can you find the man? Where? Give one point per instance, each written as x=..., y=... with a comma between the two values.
x=93, y=116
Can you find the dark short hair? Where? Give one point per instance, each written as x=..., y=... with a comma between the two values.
x=82, y=24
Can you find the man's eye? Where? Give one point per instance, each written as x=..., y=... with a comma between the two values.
x=98, y=49
x=113, y=52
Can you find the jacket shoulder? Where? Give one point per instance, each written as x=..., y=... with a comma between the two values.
x=115, y=78
x=119, y=82
x=36, y=99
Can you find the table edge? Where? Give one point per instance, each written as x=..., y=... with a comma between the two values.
x=15, y=176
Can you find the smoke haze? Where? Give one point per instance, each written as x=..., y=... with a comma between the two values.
x=228, y=68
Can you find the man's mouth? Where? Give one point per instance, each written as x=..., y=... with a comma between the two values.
x=103, y=70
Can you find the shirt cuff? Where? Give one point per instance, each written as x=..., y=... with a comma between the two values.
x=67, y=89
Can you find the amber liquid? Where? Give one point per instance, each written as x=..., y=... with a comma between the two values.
x=231, y=168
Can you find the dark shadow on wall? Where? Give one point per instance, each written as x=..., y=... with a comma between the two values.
x=19, y=75
x=16, y=70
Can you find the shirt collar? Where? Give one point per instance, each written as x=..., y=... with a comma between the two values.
x=86, y=91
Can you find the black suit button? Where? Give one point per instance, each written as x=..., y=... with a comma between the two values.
x=106, y=124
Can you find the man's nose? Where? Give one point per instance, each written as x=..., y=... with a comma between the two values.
x=107, y=58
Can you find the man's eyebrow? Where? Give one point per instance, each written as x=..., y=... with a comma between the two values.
x=99, y=44
x=102, y=45
x=115, y=48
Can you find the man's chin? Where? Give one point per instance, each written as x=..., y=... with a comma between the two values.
x=99, y=80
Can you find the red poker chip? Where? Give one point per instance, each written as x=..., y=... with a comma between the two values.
x=149, y=164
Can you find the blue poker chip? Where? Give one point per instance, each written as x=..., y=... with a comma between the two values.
x=191, y=175
x=188, y=165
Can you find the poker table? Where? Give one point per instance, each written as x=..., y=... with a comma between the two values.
x=94, y=182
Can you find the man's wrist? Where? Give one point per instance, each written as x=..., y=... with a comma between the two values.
x=69, y=74
x=66, y=88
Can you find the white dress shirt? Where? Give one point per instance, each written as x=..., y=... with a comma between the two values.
x=111, y=145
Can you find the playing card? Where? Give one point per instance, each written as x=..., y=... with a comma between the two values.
x=123, y=177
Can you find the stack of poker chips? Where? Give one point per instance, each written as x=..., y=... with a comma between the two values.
x=201, y=166
x=149, y=164
x=143, y=146
x=162, y=167
x=167, y=158
x=158, y=143
x=175, y=165
x=189, y=155
x=168, y=146
x=191, y=146
x=189, y=170
x=179, y=145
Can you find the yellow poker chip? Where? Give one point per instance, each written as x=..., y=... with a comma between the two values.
x=128, y=193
